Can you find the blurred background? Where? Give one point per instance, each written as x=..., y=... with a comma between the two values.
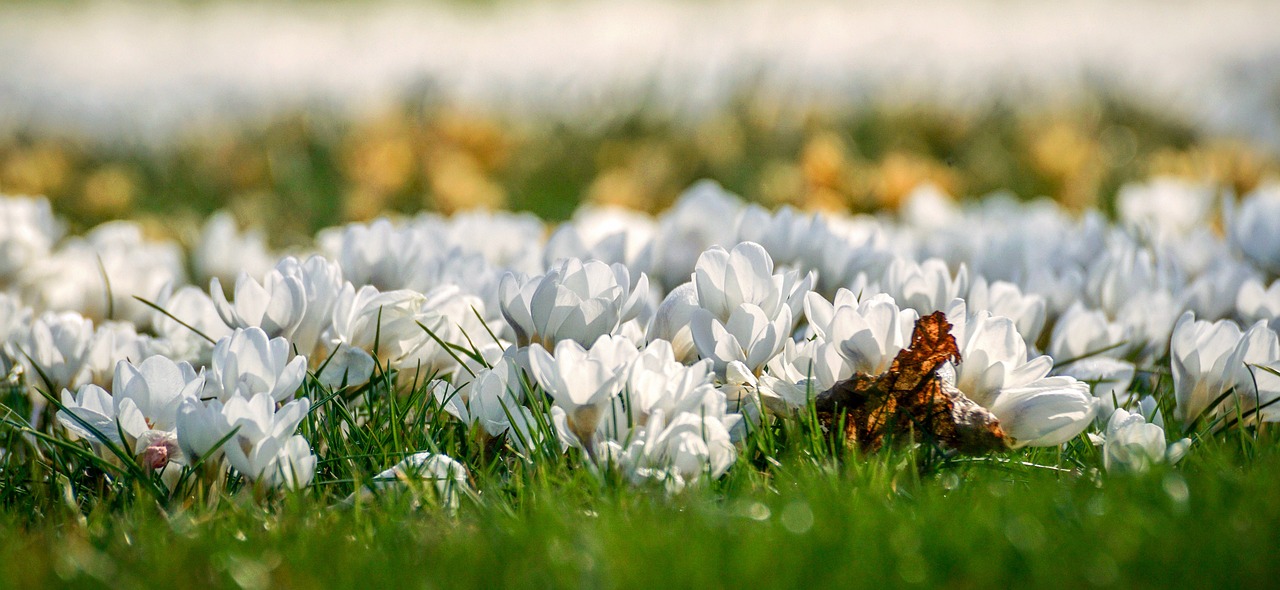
x=296, y=115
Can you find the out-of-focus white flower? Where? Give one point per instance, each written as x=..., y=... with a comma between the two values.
x=277, y=305
x=576, y=300
x=746, y=311
x=1084, y=333
x=1257, y=302
x=1254, y=227
x=1165, y=206
x=264, y=447
x=248, y=363
x=1213, y=294
x=454, y=317
x=1005, y=299
x=57, y=348
x=112, y=343
x=583, y=382
x=1207, y=363
x=849, y=251
x=1256, y=386
x=684, y=230
x=1033, y=408
x=224, y=252
x=1265, y=401
x=15, y=324
x=193, y=307
x=791, y=238
x=925, y=287
x=379, y=253
x=673, y=319
x=513, y=240
x=609, y=234
x=100, y=274
x=928, y=207
x=1127, y=269
x=1148, y=318
x=1133, y=444
x=28, y=231
x=869, y=334
x=447, y=477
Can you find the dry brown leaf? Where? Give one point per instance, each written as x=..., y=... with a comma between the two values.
x=911, y=401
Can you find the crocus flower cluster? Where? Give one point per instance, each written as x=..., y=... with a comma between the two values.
x=647, y=346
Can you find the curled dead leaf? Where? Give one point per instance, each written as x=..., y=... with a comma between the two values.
x=911, y=400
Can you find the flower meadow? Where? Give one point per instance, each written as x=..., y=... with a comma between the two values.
x=489, y=363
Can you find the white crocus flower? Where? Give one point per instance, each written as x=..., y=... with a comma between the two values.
x=15, y=323
x=1255, y=387
x=492, y=397
x=201, y=425
x=1084, y=333
x=322, y=284
x=925, y=287
x=684, y=232
x=727, y=280
x=1033, y=408
x=672, y=320
x=1125, y=271
x=369, y=324
x=575, y=300
x=583, y=382
x=92, y=414
x=1133, y=444
x=99, y=274
x=657, y=381
x=112, y=343
x=58, y=348
x=454, y=318
x=746, y=312
x=143, y=408
x=786, y=234
x=1085, y=345
x=277, y=305
x=247, y=363
x=676, y=453
x=749, y=336
x=869, y=333
x=379, y=253
x=157, y=387
x=264, y=447
x=801, y=372
x=1206, y=364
